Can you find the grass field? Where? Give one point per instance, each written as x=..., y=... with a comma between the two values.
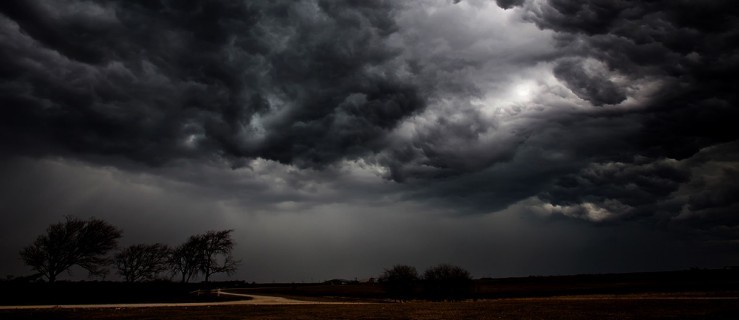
x=516, y=308
x=706, y=294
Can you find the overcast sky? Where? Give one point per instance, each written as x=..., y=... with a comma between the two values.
x=337, y=138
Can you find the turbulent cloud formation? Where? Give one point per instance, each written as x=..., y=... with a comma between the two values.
x=297, y=82
x=686, y=49
x=605, y=113
x=588, y=84
x=697, y=194
x=684, y=123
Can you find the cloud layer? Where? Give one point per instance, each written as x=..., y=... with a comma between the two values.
x=296, y=82
x=609, y=113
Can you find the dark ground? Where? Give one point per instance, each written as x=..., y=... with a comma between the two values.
x=704, y=282
x=518, y=308
x=696, y=294
x=101, y=292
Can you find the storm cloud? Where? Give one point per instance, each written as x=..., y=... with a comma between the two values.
x=305, y=119
x=306, y=82
x=685, y=60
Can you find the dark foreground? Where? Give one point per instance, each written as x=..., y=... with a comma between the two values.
x=584, y=307
x=696, y=294
x=62, y=293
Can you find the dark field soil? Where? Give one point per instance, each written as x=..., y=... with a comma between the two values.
x=697, y=294
x=102, y=293
x=517, y=308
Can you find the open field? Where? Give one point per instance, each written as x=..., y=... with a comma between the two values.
x=517, y=308
x=674, y=283
x=704, y=294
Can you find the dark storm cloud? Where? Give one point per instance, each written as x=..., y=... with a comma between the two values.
x=660, y=77
x=373, y=129
x=708, y=201
x=690, y=47
x=592, y=87
x=298, y=82
x=454, y=145
x=507, y=4
x=692, y=44
x=459, y=57
x=686, y=139
x=313, y=83
x=623, y=189
x=697, y=194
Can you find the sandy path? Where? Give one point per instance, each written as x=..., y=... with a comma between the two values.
x=267, y=300
x=255, y=300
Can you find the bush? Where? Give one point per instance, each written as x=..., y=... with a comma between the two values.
x=447, y=282
x=400, y=281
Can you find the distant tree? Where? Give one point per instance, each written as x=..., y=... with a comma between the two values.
x=400, y=281
x=216, y=253
x=205, y=254
x=84, y=243
x=185, y=259
x=143, y=261
x=447, y=282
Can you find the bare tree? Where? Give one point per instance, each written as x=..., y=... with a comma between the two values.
x=205, y=254
x=84, y=243
x=143, y=262
x=216, y=253
x=185, y=259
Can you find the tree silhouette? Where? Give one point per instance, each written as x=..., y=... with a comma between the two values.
x=447, y=282
x=84, y=243
x=216, y=253
x=143, y=262
x=400, y=281
x=205, y=254
x=186, y=258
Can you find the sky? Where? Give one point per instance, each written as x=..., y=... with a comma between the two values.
x=338, y=138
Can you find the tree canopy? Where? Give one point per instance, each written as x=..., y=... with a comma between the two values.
x=84, y=243
x=216, y=253
x=400, y=281
x=143, y=261
x=205, y=254
x=447, y=282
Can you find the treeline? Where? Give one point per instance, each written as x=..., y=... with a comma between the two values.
x=88, y=244
x=441, y=282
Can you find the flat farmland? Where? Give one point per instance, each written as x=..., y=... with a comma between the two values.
x=580, y=307
x=707, y=294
